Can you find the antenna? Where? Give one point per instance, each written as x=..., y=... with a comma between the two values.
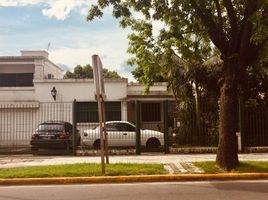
x=48, y=46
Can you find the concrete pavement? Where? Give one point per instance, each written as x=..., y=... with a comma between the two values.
x=21, y=161
x=29, y=160
x=180, y=168
x=175, y=164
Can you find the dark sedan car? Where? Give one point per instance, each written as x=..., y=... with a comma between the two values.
x=54, y=135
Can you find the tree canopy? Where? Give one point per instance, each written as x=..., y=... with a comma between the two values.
x=87, y=72
x=191, y=29
x=237, y=28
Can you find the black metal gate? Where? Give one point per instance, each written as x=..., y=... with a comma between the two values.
x=152, y=126
x=255, y=126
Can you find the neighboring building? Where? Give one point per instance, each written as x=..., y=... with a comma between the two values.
x=19, y=71
x=17, y=74
x=26, y=82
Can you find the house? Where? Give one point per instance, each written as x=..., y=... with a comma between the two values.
x=26, y=99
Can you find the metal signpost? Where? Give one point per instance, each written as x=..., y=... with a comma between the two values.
x=100, y=98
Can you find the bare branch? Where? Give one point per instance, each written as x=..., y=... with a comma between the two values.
x=218, y=8
x=215, y=31
x=232, y=16
x=246, y=46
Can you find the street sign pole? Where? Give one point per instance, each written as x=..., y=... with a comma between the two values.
x=100, y=98
x=105, y=133
x=101, y=134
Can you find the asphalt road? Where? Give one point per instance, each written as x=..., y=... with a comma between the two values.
x=229, y=190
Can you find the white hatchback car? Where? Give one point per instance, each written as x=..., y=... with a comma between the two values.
x=122, y=134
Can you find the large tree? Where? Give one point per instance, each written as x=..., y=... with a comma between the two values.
x=238, y=28
x=87, y=72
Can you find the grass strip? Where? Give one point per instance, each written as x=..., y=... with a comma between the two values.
x=244, y=167
x=82, y=170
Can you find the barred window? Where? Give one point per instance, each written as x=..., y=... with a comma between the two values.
x=16, y=79
x=88, y=111
x=150, y=112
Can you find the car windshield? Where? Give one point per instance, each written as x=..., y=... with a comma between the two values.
x=50, y=127
x=113, y=123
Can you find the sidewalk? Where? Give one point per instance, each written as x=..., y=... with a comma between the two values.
x=180, y=168
x=174, y=163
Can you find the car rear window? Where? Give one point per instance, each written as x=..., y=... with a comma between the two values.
x=50, y=127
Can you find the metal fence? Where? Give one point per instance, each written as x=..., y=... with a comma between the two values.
x=18, y=121
x=255, y=126
x=136, y=134
x=196, y=128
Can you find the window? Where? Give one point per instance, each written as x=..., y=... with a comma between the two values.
x=150, y=112
x=50, y=76
x=88, y=111
x=16, y=80
x=112, y=127
x=68, y=128
x=50, y=127
x=121, y=126
x=129, y=128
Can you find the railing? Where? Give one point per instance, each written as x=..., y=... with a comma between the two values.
x=18, y=121
x=255, y=126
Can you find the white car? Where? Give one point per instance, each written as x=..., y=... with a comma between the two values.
x=122, y=134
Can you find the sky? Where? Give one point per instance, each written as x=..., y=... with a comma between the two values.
x=34, y=24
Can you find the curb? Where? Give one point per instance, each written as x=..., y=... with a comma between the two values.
x=133, y=179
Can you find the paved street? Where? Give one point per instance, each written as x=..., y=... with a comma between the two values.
x=229, y=190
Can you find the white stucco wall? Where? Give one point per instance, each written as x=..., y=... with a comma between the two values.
x=35, y=53
x=10, y=67
x=70, y=89
x=23, y=108
x=18, y=120
x=137, y=88
x=43, y=66
x=51, y=68
x=17, y=94
x=67, y=91
x=79, y=89
x=39, y=69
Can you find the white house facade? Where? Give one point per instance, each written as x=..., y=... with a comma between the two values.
x=26, y=83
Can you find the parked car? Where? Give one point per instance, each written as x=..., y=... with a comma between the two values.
x=54, y=135
x=122, y=134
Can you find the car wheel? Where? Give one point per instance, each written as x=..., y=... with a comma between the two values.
x=153, y=143
x=96, y=144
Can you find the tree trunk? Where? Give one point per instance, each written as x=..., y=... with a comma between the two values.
x=227, y=155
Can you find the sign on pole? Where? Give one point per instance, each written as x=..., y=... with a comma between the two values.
x=100, y=98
